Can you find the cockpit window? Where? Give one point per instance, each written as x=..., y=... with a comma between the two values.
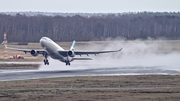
x=47, y=39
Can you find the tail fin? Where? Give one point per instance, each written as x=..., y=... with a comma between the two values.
x=73, y=44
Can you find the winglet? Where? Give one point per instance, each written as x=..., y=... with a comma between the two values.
x=73, y=44
x=120, y=49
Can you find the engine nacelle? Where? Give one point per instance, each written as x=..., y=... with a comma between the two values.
x=34, y=53
x=71, y=53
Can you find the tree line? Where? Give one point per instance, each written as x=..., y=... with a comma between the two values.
x=22, y=28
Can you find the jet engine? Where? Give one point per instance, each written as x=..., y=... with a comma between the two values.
x=34, y=53
x=71, y=53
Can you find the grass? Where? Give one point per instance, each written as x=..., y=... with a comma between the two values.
x=166, y=88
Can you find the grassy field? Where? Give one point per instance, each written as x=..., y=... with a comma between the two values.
x=12, y=66
x=107, y=88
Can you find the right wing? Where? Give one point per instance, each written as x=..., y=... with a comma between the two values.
x=39, y=51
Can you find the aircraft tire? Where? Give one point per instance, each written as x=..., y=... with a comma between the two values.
x=46, y=62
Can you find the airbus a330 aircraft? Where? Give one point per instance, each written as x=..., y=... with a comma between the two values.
x=56, y=52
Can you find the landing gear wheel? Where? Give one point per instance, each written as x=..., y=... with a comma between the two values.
x=67, y=63
x=46, y=62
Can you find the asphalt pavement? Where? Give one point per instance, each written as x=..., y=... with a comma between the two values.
x=6, y=75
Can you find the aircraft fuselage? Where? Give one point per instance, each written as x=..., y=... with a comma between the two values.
x=52, y=48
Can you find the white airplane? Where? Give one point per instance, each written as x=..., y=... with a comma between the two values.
x=56, y=52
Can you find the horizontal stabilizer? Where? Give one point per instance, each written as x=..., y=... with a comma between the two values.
x=82, y=59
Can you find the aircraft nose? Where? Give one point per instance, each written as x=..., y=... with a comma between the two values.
x=41, y=41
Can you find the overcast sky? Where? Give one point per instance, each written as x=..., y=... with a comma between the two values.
x=90, y=6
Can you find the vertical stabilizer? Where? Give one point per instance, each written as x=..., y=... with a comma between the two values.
x=73, y=44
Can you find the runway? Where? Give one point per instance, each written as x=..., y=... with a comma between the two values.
x=36, y=74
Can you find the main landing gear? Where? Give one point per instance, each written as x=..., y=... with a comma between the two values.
x=46, y=62
x=67, y=63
